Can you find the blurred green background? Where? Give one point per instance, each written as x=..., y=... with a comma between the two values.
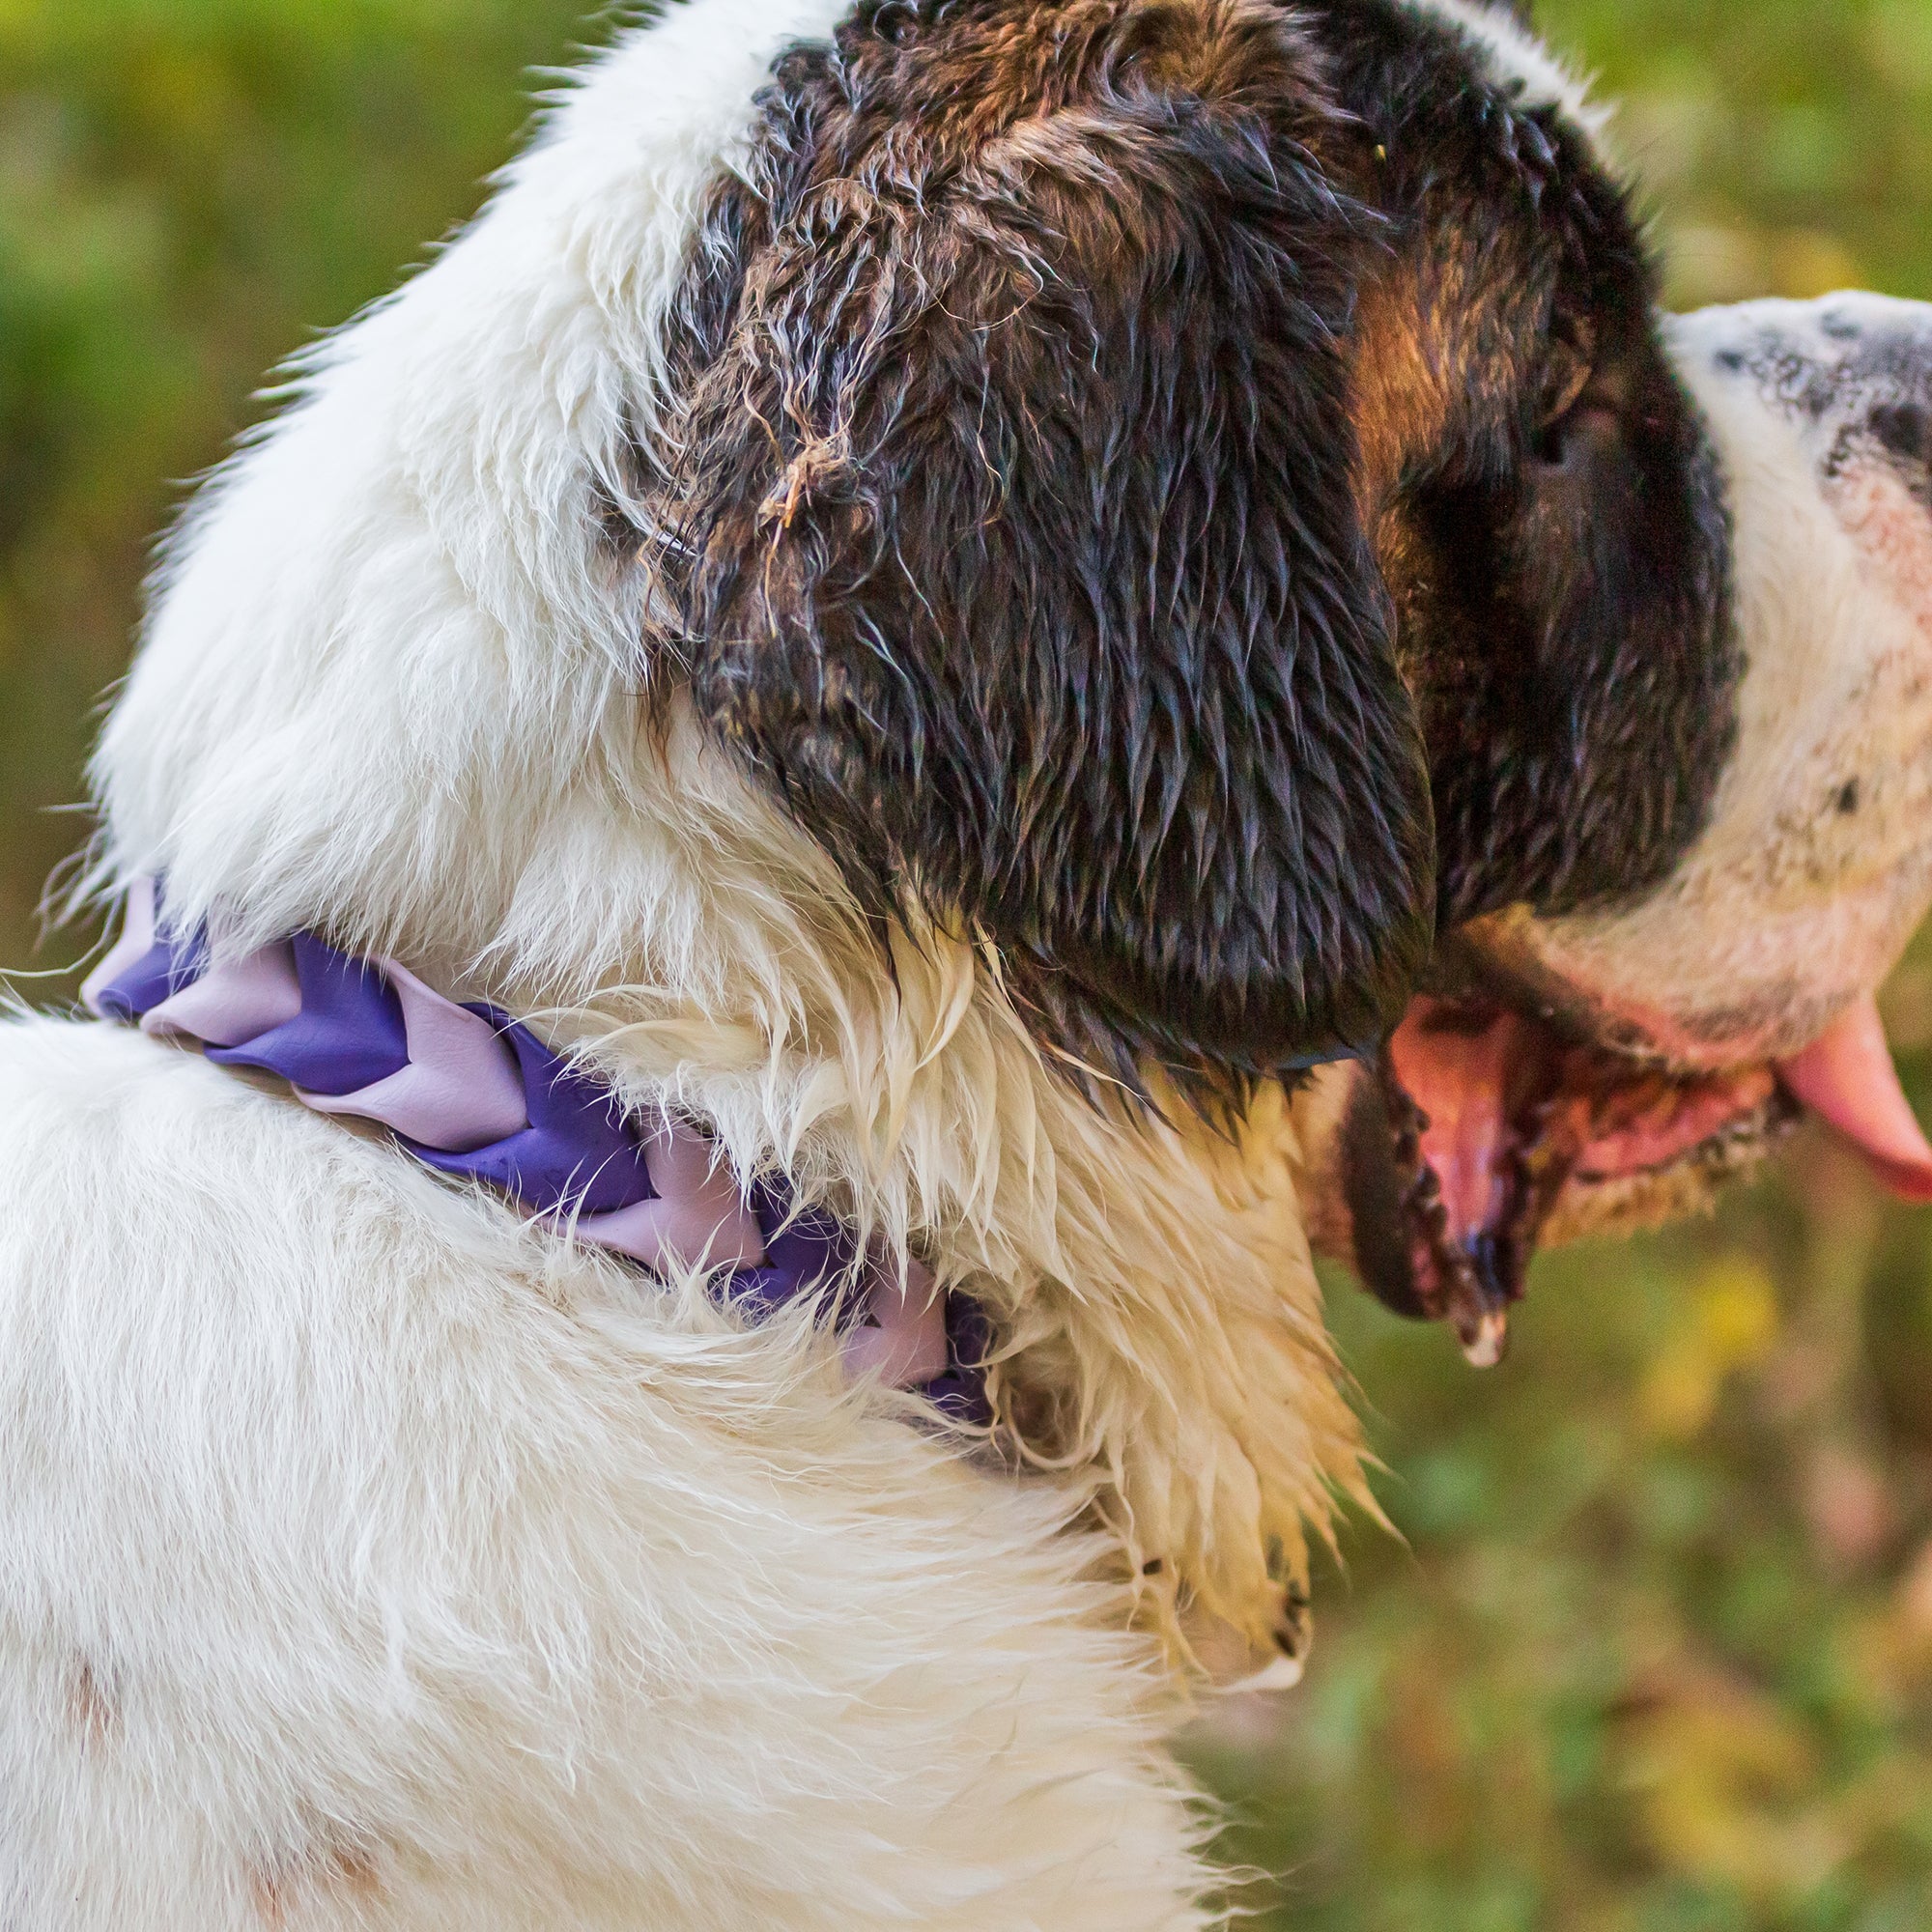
x=1656, y=1651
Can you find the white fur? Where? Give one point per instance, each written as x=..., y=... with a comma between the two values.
x=369, y=1559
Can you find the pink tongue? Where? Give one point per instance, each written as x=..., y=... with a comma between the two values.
x=1847, y=1079
x=1455, y=1068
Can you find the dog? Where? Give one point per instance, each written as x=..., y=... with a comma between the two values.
x=1085, y=639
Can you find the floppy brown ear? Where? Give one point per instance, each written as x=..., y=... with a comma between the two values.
x=1023, y=555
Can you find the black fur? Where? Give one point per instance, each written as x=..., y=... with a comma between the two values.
x=1022, y=498
x=1165, y=484
x=1559, y=551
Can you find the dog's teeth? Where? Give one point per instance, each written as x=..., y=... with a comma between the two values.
x=1283, y=1675
x=1486, y=1346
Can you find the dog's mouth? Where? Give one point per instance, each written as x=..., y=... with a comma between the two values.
x=1487, y=1129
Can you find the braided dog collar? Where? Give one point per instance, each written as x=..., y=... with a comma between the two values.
x=474, y=1093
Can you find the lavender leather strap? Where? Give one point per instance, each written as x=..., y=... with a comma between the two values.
x=474, y=1094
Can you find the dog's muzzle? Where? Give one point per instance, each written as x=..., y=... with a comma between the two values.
x=1602, y=1070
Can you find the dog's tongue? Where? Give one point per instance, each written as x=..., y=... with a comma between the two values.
x=1847, y=1079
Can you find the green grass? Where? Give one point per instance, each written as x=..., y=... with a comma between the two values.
x=1654, y=1650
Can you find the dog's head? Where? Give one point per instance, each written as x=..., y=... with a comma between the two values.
x=1193, y=496
x=1200, y=496
x=924, y=563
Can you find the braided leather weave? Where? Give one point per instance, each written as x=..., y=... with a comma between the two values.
x=471, y=1092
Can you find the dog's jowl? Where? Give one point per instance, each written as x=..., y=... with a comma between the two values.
x=969, y=668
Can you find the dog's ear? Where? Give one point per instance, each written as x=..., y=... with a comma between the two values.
x=1023, y=557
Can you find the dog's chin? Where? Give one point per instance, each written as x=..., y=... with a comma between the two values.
x=1494, y=1124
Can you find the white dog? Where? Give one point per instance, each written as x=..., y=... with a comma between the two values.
x=945, y=600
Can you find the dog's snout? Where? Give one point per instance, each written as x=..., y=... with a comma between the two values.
x=1885, y=377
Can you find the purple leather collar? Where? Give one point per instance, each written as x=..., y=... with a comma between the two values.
x=474, y=1094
